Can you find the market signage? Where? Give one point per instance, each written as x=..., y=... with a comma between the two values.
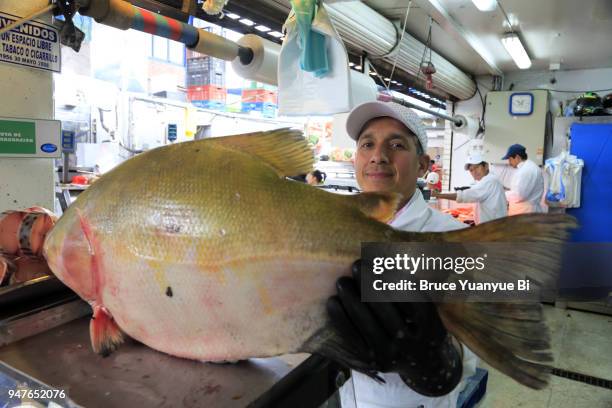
x=30, y=138
x=32, y=44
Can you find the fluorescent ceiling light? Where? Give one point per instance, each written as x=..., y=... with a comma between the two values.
x=247, y=22
x=233, y=16
x=485, y=5
x=275, y=34
x=516, y=50
x=351, y=64
x=262, y=28
x=372, y=73
x=358, y=67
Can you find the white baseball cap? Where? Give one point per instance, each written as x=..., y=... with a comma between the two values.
x=361, y=114
x=474, y=158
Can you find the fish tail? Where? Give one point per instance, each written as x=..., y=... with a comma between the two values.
x=511, y=337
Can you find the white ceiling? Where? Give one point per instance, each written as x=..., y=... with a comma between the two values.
x=576, y=33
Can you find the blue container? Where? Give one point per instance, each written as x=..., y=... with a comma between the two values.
x=214, y=105
x=251, y=106
x=265, y=108
x=269, y=110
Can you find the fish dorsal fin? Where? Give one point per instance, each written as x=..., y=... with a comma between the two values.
x=380, y=206
x=285, y=150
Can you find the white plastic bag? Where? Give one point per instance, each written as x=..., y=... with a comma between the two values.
x=564, y=174
x=301, y=93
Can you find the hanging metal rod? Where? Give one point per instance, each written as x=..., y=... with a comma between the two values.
x=123, y=15
x=458, y=121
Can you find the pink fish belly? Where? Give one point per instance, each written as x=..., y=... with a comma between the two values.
x=249, y=309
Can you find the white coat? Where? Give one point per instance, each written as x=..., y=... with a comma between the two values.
x=526, y=189
x=360, y=391
x=489, y=199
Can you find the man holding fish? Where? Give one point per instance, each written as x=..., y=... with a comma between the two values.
x=390, y=156
x=219, y=259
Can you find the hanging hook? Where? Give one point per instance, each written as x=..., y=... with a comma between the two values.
x=427, y=67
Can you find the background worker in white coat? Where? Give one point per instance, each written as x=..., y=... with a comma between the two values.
x=390, y=156
x=487, y=194
x=527, y=186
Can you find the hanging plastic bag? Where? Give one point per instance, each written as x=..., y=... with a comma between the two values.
x=321, y=91
x=564, y=174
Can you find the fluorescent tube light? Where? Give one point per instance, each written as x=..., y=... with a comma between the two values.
x=247, y=22
x=485, y=5
x=233, y=16
x=275, y=34
x=358, y=67
x=516, y=50
x=262, y=28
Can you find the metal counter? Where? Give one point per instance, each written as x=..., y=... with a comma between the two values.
x=137, y=376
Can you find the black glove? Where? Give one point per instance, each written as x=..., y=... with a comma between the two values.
x=407, y=338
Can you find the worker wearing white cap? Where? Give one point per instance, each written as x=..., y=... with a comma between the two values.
x=487, y=194
x=390, y=156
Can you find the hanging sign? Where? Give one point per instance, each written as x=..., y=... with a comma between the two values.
x=29, y=138
x=32, y=44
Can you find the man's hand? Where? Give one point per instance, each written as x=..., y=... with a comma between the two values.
x=407, y=338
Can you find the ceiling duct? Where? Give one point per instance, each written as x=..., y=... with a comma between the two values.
x=378, y=38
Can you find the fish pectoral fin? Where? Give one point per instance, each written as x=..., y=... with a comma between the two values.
x=105, y=334
x=380, y=206
x=285, y=150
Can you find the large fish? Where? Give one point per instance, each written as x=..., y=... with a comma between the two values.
x=204, y=250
